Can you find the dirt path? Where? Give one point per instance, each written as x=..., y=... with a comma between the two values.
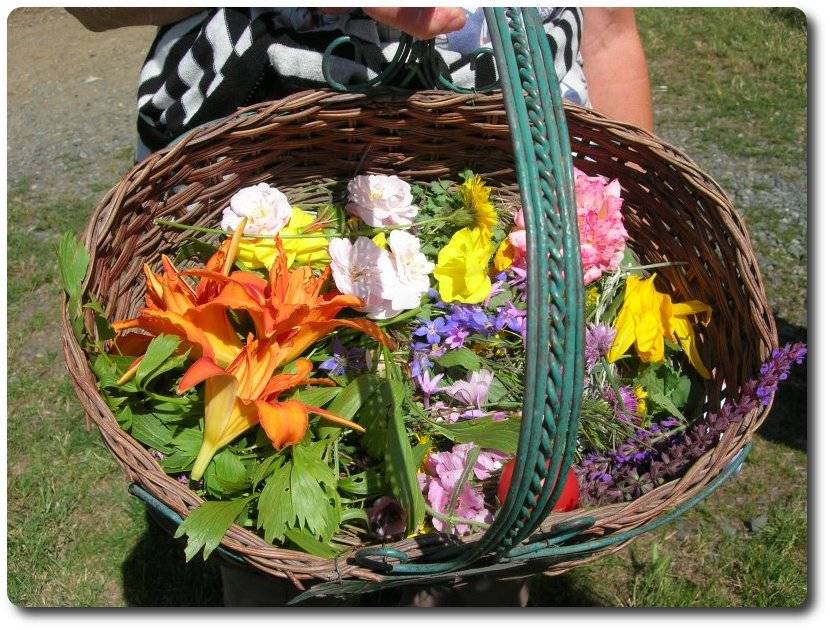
x=71, y=102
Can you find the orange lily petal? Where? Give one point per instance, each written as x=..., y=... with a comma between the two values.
x=336, y=419
x=201, y=370
x=283, y=382
x=285, y=423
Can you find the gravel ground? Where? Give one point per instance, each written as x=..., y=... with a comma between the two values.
x=71, y=98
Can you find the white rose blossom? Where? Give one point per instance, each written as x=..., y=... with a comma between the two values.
x=357, y=269
x=381, y=200
x=266, y=208
x=408, y=279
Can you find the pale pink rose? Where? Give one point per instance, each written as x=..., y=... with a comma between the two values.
x=407, y=280
x=265, y=207
x=358, y=269
x=381, y=200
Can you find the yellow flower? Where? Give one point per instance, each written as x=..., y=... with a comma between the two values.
x=504, y=256
x=647, y=317
x=461, y=270
x=476, y=198
x=259, y=253
x=641, y=394
x=591, y=296
x=379, y=239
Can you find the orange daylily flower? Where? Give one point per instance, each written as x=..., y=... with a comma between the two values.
x=245, y=393
x=241, y=389
x=173, y=307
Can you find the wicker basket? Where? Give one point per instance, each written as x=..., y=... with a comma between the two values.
x=310, y=140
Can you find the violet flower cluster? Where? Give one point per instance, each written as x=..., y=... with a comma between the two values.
x=665, y=450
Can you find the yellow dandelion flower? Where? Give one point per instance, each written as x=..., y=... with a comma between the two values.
x=476, y=198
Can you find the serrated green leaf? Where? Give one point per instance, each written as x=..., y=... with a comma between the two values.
x=665, y=403
x=173, y=363
x=108, y=368
x=462, y=357
x=148, y=429
x=264, y=468
x=275, y=511
x=160, y=349
x=487, y=433
x=226, y=474
x=314, y=492
x=185, y=447
x=316, y=396
x=206, y=525
x=102, y=326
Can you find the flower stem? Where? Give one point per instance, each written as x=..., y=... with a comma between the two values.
x=454, y=520
x=472, y=458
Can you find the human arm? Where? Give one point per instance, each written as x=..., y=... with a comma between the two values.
x=615, y=66
x=106, y=18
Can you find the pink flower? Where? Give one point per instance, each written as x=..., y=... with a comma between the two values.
x=381, y=200
x=265, y=207
x=442, y=473
x=407, y=279
x=359, y=269
x=602, y=235
x=472, y=393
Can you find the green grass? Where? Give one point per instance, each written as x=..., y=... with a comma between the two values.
x=734, y=84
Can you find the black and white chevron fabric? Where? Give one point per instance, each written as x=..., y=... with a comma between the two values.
x=210, y=64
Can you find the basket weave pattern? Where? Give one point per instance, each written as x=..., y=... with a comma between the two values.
x=307, y=142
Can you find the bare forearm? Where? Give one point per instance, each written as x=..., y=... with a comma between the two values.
x=615, y=66
x=107, y=18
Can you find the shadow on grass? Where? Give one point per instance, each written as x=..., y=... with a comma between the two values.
x=787, y=421
x=156, y=574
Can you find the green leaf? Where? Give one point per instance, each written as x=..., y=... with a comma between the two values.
x=398, y=458
x=73, y=262
x=206, y=525
x=308, y=543
x=125, y=418
x=264, y=468
x=173, y=363
x=185, y=447
x=226, y=474
x=316, y=396
x=366, y=483
x=487, y=433
x=463, y=357
x=159, y=350
x=665, y=403
x=349, y=400
x=354, y=514
x=275, y=510
x=373, y=418
x=148, y=429
x=102, y=326
x=109, y=368
x=314, y=491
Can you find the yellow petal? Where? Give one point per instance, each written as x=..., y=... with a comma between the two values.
x=504, y=256
x=683, y=332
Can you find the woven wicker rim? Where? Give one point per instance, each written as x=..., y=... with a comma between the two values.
x=673, y=211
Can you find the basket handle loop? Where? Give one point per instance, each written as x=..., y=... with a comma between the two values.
x=555, y=312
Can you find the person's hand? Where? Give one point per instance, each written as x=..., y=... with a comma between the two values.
x=420, y=22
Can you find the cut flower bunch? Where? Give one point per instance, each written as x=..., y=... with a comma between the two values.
x=353, y=372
